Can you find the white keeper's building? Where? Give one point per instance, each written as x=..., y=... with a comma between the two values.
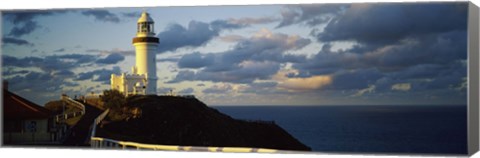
x=143, y=79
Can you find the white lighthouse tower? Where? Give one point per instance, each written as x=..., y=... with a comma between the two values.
x=145, y=50
x=144, y=77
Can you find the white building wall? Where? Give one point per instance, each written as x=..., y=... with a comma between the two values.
x=145, y=60
x=126, y=83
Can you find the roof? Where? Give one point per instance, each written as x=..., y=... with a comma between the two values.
x=145, y=18
x=18, y=108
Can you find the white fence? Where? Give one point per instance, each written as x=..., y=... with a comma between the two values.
x=97, y=121
x=99, y=142
x=65, y=116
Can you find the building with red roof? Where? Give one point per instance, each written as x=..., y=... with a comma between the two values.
x=24, y=121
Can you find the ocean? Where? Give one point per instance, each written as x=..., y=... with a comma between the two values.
x=367, y=129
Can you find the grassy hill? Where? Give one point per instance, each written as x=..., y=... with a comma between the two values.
x=187, y=121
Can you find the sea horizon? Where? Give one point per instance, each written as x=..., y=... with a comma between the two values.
x=409, y=129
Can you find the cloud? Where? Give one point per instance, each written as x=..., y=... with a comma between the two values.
x=132, y=14
x=9, y=72
x=195, y=60
x=16, y=41
x=246, y=73
x=198, y=33
x=369, y=89
x=102, y=15
x=259, y=57
x=101, y=75
x=251, y=21
x=194, y=35
x=111, y=59
x=186, y=91
x=401, y=86
x=218, y=89
x=434, y=49
x=219, y=25
x=25, y=21
x=260, y=88
x=25, y=28
x=59, y=50
x=354, y=80
x=174, y=60
x=232, y=38
x=64, y=73
x=37, y=86
x=49, y=63
x=387, y=23
x=301, y=84
x=113, y=51
x=310, y=15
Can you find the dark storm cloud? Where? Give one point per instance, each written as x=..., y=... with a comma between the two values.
x=64, y=73
x=311, y=14
x=102, y=15
x=419, y=48
x=53, y=63
x=258, y=57
x=111, y=59
x=438, y=49
x=387, y=23
x=355, y=80
x=101, y=75
x=24, y=29
x=195, y=60
x=35, y=81
x=198, y=33
x=25, y=22
x=194, y=35
x=16, y=41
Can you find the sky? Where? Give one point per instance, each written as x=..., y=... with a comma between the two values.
x=315, y=54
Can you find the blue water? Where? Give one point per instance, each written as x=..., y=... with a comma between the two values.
x=372, y=129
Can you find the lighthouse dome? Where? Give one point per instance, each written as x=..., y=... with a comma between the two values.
x=145, y=18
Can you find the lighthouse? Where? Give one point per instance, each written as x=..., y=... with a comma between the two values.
x=146, y=45
x=143, y=79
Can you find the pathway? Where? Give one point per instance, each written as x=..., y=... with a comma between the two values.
x=80, y=132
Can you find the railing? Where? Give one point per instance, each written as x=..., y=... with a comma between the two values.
x=74, y=103
x=65, y=116
x=99, y=142
x=97, y=121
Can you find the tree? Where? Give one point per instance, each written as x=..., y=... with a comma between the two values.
x=113, y=99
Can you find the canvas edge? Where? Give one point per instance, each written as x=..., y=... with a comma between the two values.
x=473, y=79
x=1, y=85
